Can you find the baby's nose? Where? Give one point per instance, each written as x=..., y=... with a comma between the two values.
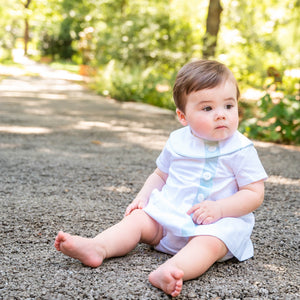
x=220, y=114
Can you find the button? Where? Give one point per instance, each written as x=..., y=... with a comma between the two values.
x=206, y=176
x=212, y=148
x=200, y=197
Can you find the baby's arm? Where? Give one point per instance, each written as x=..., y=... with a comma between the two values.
x=246, y=200
x=155, y=181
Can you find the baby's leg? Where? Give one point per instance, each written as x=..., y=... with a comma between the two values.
x=193, y=260
x=117, y=240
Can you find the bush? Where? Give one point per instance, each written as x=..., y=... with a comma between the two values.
x=277, y=119
x=134, y=84
x=56, y=46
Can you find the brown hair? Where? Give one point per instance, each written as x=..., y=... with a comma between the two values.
x=200, y=75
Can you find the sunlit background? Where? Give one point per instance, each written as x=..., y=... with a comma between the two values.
x=132, y=49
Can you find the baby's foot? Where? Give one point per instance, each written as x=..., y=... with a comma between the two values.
x=167, y=278
x=83, y=249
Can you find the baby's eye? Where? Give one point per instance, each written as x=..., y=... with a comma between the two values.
x=207, y=108
x=229, y=106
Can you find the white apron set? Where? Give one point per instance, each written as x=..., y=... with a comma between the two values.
x=201, y=170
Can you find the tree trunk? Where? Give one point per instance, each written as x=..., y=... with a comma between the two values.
x=212, y=28
x=26, y=36
x=26, y=29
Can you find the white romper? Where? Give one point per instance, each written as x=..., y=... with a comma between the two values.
x=201, y=170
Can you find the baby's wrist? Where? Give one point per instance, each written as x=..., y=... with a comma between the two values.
x=141, y=202
x=221, y=210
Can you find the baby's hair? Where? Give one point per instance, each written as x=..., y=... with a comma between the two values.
x=200, y=75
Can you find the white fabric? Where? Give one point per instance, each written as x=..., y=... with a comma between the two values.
x=201, y=170
x=171, y=244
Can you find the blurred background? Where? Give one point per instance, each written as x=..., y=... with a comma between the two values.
x=131, y=50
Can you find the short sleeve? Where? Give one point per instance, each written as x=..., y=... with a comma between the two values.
x=163, y=161
x=248, y=167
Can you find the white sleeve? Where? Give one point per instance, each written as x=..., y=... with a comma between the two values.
x=247, y=167
x=163, y=161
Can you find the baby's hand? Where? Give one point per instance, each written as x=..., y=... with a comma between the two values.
x=135, y=204
x=206, y=212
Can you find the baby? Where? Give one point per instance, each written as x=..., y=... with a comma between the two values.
x=197, y=205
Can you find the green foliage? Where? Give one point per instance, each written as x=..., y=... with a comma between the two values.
x=256, y=35
x=138, y=46
x=65, y=65
x=59, y=40
x=277, y=120
x=9, y=28
x=139, y=51
x=143, y=32
x=133, y=84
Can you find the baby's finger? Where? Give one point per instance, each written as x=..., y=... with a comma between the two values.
x=129, y=209
x=141, y=205
x=198, y=216
x=193, y=209
x=200, y=219
x=207, y=221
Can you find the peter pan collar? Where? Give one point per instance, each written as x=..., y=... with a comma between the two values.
x=184, y=143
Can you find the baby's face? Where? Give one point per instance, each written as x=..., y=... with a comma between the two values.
x=212, y=113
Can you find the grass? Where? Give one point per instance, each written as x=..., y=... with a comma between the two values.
x=67, y=66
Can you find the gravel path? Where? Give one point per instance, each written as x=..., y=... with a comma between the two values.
x=73, y=160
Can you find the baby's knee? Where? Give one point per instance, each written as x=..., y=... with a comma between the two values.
x=152, y=231
x=138, y=213
x=143, y=219
x=216, y=246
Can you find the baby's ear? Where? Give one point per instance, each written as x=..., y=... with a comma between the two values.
x=181, y=117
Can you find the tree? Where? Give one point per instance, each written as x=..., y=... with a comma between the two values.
x=212, y=28
x=26, y=23
x=60, y=38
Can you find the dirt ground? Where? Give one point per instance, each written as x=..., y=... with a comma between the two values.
x=71, y=160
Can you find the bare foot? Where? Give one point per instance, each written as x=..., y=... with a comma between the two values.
x=83, y=249
x=168, y=279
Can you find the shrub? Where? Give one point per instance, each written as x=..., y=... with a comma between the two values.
x=134, y=84
x=277, y=119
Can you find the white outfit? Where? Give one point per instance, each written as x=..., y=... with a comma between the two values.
x=201, y=170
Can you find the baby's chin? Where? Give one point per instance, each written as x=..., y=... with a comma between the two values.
x=214, y=138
